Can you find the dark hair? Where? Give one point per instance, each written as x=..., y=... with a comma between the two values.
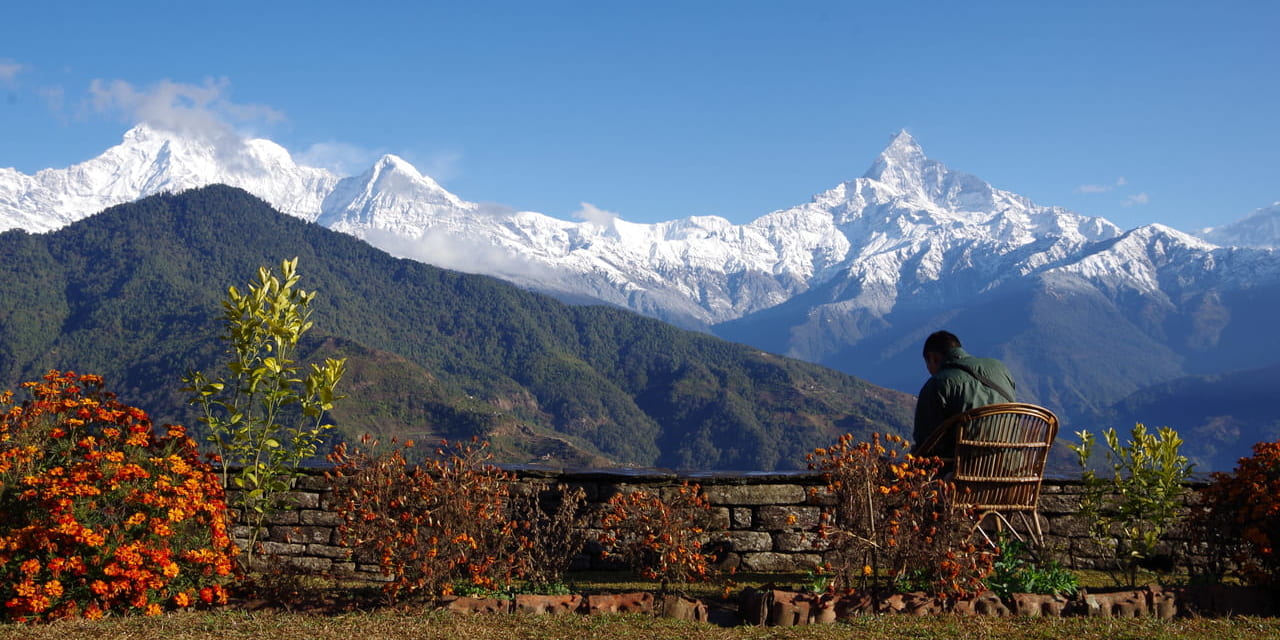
x=941, y=342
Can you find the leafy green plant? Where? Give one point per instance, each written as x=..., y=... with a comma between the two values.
x=818, y=580
x=264, y=416
x=1015, y=572
x=1132, y=510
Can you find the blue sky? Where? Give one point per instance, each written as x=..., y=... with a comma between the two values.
x=1136, y=111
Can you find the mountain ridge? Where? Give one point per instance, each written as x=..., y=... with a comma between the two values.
x=133, y=293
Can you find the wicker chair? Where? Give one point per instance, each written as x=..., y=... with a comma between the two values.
x=1000, y=453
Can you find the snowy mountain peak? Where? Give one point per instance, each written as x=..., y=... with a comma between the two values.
x=904, y=149
x=390, y=162
x=901, y=164
x=391, y=196
x=1259, y=230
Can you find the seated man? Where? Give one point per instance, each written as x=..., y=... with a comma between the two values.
x=959, y=382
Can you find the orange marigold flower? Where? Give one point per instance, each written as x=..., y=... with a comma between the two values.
x=182, y=600
x=30, y=567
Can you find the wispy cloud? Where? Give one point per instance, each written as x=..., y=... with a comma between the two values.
x=9, y=71
x=591, y=213
x=1137, y=199
x=55, y=97
x=339, y=157
x=460, y=253
x=348, y=160
x=1102, y=188
x=179, y=107
x=442, y=166
x=200, y=111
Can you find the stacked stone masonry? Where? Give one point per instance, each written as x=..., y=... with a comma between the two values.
x=768, y=520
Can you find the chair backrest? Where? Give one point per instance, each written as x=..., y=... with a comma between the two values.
x=1000, y=454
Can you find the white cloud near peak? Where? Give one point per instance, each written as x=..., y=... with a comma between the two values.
x=9, y=70
x=339, y=157
x=1102, y=188
x=203, y=111
x=1137, y=199
x=179, y=107
x=591, y=213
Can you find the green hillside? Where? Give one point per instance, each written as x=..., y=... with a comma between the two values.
x=133, y=294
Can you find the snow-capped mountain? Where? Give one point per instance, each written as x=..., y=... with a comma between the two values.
x=1260, y=229
x=865, y=246
x=150, y=161
x=695, y=271
x=1083, y=311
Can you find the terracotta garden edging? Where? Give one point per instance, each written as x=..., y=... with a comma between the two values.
x=783, y=608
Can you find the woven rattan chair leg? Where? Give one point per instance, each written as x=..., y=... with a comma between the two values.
x=1039, y=534
x=977, y=528
x=1002, y=523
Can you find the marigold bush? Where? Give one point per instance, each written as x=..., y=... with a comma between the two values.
x=428, y=525
x=100, y=513
x=551, y=530
x=892, y=520
x=1240, y=518
x=661, y=539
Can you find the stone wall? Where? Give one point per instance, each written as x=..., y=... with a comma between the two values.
x=768, y=519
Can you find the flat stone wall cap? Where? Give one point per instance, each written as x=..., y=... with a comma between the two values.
x=532, y=470
x=627, y=473
x=752, y=477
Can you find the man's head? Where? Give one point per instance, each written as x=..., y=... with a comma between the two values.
x=936, y=347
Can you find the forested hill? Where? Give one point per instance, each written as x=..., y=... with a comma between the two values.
x=133, y=293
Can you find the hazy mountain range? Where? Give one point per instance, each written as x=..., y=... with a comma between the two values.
x=1084, y=312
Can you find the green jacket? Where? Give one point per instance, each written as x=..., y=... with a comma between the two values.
x=952, y=391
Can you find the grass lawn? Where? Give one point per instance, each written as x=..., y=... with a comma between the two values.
x=430, y=625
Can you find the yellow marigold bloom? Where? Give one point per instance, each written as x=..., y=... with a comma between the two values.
x=866, y=570
x=182, y=600
x=153, y=609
